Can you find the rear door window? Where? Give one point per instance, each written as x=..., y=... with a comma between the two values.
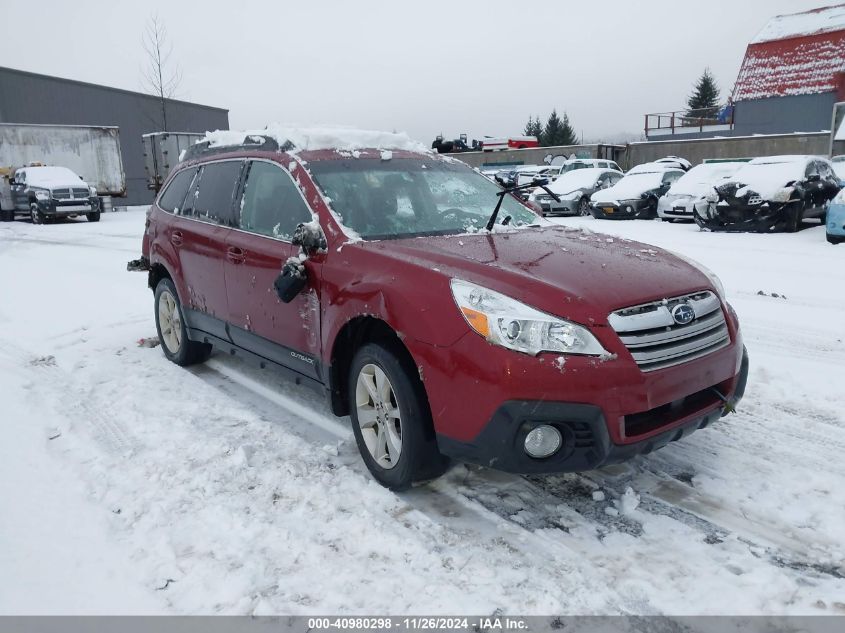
x=271, y=204
x=173, y=195
x=214, y=193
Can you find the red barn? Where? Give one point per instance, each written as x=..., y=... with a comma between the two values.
x=792, y=74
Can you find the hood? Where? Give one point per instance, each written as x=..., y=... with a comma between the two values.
x=768, y=179
x=629, y=188
x=573, y=274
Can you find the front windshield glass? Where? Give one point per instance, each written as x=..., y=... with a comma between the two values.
x=404, y=197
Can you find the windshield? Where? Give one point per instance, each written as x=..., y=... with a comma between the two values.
x=404, y=197
x=700, y=179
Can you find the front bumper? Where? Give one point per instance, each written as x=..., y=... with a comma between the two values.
x=682, y=208
x=764, y=218
x=64, y=208
x=586, y=442
x=623, y=210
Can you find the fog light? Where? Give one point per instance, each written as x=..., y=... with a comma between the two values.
x=543, y=441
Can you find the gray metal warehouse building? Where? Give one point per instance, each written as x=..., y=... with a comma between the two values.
x=31, y=98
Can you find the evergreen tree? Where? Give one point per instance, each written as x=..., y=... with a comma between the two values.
x=568, y=135
x=552, y=131
x=558, y=132
x=703, y=103
x=533, y=127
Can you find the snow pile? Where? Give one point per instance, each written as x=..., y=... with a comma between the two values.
x=317, y=138
x=823, y=20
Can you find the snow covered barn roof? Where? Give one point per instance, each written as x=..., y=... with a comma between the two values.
x=800, y=53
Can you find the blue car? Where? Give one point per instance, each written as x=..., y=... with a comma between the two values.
x=835, y=220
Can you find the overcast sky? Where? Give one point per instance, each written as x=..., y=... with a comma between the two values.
x=428, y=66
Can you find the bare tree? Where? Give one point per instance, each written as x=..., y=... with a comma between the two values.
x=160, y=77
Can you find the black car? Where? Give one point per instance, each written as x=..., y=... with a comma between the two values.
x=773, y=193
x=636, y=195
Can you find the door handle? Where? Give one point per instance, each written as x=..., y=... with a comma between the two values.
x=235, y=255
x=176, y=238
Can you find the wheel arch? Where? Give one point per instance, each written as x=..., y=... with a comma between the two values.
x=354, y=334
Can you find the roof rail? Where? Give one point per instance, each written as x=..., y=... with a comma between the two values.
x=252, y=142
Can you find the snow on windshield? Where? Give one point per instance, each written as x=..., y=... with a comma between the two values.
x=51, y=176
x=408, y=197
x=766, y=176
x=701, y=179
x=576, y=179
x=317, y=138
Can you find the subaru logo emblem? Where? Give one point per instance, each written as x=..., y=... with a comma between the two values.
x=683, y=313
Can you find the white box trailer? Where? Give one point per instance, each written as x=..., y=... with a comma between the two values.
x=91, y=152
x=162, y=151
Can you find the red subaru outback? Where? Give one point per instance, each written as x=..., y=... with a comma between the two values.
x=371, y=276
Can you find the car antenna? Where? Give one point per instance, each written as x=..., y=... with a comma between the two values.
x=537, y=182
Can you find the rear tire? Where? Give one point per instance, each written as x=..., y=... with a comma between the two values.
x=834, y=239
x=794, y=217
x=172, y=332
x=94, y=216
x=391, y=418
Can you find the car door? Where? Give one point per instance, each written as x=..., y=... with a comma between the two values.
x=199, y=235
x=19, y=196
x=270, y=208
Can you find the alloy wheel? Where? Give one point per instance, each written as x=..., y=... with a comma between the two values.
x=170, y=322
x=378, y=416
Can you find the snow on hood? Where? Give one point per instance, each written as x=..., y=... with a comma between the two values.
x=767, y=176
x=630, y=187
x=576, y=179
x=701, y=179
x=317, y=138
x=52, y=177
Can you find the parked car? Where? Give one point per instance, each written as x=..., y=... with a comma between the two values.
x=526, y=173
x=580, y=163
x=835, y=221
x=774, y=193
x=679, y=202
x=636, y=195
x=529, y=348
x=48, y=193
x=574, y=189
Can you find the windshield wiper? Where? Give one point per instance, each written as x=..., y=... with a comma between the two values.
x=537, y=182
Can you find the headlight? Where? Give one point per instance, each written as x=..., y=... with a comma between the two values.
x=92, y=191
x=42, y=194
x=711, y=276
x=509, y=323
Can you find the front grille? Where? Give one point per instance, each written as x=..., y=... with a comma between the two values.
x=61, y=194
x=80, y=193
x=656, y=341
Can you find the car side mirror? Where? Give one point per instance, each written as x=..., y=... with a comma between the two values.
x=309, y=237
x=292, y=280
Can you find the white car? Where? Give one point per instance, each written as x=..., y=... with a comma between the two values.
x=679, y=202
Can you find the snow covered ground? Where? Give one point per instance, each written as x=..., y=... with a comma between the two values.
x=130, y=485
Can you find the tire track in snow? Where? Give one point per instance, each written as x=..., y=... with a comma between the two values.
x=70, y=399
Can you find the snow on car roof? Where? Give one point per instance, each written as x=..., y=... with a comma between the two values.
x=319, y=138
x=51, y=175
x=786, y=158
x=577, y=179
x=822, y=20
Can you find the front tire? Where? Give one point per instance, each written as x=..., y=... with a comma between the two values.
x=35, y=214
x=94, y=216
x=172, y=332
x=584, y=207
x=391, y=418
